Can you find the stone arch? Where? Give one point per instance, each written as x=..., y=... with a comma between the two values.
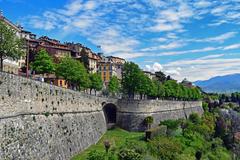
x=110, y=112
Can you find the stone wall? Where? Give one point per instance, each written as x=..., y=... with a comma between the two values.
x=43, y=122
x=131, y=113
x=39, y=121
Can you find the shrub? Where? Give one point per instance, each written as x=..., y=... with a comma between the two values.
x=148, y=121
x=133, y=145
x=195, y=118
x=154, y=132
x=96, y=155
x=205, y=106
x=164, y=148
x=172, y=125
x=129, y=154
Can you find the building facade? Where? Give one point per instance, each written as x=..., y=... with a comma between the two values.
x=15, y=66
x=110, y=66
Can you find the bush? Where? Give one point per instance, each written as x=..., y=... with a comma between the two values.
x=165, y=148
x=195, y=118
x=154, y=132
x=148, y=121
x=129, y=154
x=96, y=155
x=133, y=145
x=172, y=126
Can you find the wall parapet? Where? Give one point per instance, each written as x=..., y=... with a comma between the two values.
x=40, y=121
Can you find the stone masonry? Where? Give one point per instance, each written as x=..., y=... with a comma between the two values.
x=43, y=122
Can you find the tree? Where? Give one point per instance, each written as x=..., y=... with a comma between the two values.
x=74, y=72
x=114, y=85
x=144, y=85
x=96, y=82
x=131, y=75
x=43, y=63
x=10, y=45
x=149, y=121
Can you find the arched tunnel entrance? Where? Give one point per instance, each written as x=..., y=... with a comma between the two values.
x=110, y=112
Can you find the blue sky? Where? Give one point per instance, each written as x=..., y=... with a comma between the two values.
x=196, y=39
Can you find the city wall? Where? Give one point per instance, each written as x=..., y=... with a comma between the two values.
x=39, y=121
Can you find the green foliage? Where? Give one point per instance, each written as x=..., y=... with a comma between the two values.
x=96, y=155
x=171, y=124
x=129, y=154
x=205, y=106
x=73, y=71
x=96, y=82
x=148, y=120
x=114, y=85
x=154, y=132
x=195, y=118
x=43, y=63
x=10, y=45
x=144, y=85
x=166, y=148
x=130, y=81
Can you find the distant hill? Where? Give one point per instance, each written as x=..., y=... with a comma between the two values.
x=221, y=84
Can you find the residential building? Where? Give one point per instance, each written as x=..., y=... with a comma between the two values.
x=90, y=59
x=151, y=75
x=15, y=66
x=187, y=83
x=76, y=49
x=54, y=47
x=10, y=65
x=110, y=66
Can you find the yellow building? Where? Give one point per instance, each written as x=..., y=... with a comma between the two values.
x=110, y=66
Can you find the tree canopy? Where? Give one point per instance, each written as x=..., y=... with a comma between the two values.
x=96, y=82
x=43, y=63
x=10, y=45
x=114, y=85
x=130, y=82
x=74, y=72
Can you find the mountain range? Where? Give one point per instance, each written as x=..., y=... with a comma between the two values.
x=221, y=84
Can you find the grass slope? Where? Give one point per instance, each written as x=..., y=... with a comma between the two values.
x=117, y=137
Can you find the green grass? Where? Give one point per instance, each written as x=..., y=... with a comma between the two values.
x=117, y=137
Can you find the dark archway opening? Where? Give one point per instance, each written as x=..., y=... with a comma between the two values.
x=110, y=111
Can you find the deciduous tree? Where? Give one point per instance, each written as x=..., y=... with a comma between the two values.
x=10, y=45
x=114, y=85
x=43, y=63
x=96, y=82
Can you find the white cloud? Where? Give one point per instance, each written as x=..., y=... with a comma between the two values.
x=212, y=56
x=206, y=49
x=169, y=46
x=233, y=46
x=72, y=8
x=202, y=69
x=221, y=38
x=173, y=72
x=202, y=4
x=154, y=68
